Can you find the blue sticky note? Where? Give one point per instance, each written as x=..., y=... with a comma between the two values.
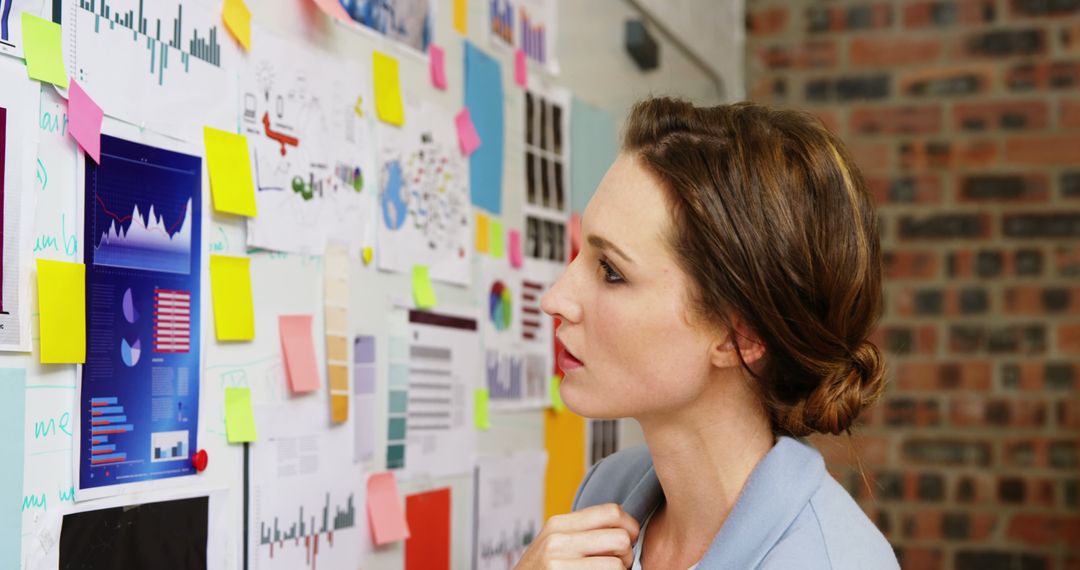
x=484, y=98
x=12, y=422
x=592, y=150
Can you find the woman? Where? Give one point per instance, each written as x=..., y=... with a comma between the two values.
x=729, y=276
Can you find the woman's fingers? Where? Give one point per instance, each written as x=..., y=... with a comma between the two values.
x=602, y=542
x=608, y=515
x=595, y=563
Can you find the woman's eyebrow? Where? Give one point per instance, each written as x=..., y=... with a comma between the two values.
x=601, y=243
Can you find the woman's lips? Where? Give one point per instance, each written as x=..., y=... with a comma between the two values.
x=567, y=361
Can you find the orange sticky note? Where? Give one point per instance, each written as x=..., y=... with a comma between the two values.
x=461, y=20
x=385, y=514
x=428, y=516
x=521, y=68
x=564, y=439
x=482, y=233
x=298, y=346
x=437, y=63
x=515, y=249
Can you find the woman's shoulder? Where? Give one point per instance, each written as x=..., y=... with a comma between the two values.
x=616, y=478
x=835, y=532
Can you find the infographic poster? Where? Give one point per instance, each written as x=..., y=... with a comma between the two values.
x=139, y=399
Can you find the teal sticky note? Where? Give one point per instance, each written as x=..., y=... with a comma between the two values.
x=593, y=147
x=12, y=422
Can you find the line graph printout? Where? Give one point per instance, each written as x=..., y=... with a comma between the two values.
x=139, y=397
x=424, y=213
x=178, y=59
x=17, y=205
x=311, y=139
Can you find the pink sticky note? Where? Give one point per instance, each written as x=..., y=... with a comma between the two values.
x=466, y=132
x=299, y=348
x=438, y=69
x=515, y=248
x=385, y=514
x=521, y=68
x=333, y=8
x=84, y=117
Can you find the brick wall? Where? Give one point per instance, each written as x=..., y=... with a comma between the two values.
x=964, y=115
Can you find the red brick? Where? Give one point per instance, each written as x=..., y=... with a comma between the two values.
x=893, y=50
x=983, y=187
x=919, y=155
x=872, y=451
x=811, y=54
x=767, y=21
x=1030, y=376
x=943, y=376
x=912, y=264
x=921, y=557
x=1031, y=300
x=1070, y=114
x=1068, y=414
x=974, y=411
x=1044, y=529
x=920, y=14
x=923, y=525
x=828, y=118
x=1000, y=115
x=1068, y=338
x=908, y=119
x=1055, y=149
x=968, y=79
x=1000, y=43
x=1067, y=261
x=920, y=189
x=870, y=157
x=1043, y=75
x=836, y=18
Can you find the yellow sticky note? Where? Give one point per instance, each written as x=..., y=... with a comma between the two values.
x=564, y=440
x=42, y=50
x=423, y=293
x=556, y=397
x=387, y=89
x=461, y=21
x=480, y=408
x=483, y=233
x=239, y=419
x=62, y=311
x=367, y=254
x=238, y=19
x=497, y=240
x=230, y=287
x=229, y=163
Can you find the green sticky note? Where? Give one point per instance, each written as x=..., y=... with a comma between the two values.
x=230, y=290
x=42, y=49
x=229, y=163
x=556, y=398
x=480, y=413
x=62, y=311
x=423, y=293
x=239, y=419
x=497, y=241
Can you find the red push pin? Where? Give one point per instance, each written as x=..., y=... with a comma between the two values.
x=199, y=460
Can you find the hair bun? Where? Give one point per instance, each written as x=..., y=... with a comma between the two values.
x=856, y=384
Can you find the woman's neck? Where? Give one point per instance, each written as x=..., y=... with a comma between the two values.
x=703, y=456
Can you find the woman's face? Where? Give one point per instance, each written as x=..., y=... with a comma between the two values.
x=631, y=346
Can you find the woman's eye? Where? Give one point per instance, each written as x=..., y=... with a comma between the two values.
x=610, y=275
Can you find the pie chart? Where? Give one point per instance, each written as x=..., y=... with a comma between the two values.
x=128, y=307
x=500, y=307
x=129, y=353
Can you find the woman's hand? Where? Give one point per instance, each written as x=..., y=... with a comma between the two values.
x=601, y=537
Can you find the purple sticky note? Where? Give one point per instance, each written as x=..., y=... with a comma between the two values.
x=521, y=68
x=466, y=132
x=438, y=69
x=515, y=248
x=84, y=118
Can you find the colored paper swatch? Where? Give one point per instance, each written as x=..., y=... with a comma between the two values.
x=481, y=408
x=42, y=49
x=498, y=245
x=428, y=517
x=521, y=68
x=336, y=315
x=62, y=311
x=437, y=63
x=515, y=248
x=483, y=233
x=564, y=440
x=385, y=514
x=461, y=17
x=239, y=418
x=484, y=99
x=230, y=290
x=334, y=8
x=238, y=20
x=468, y=140
x=423, y=292
x=298, y=346
x=12, y=447
x=229, y=163
x=388, y=103
x=84, y=121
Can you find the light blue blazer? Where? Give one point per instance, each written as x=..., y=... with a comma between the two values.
x=791, y=514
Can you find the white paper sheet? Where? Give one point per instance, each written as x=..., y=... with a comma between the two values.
x=509, y=507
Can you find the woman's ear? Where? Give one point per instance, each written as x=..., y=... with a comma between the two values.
x=725, y=351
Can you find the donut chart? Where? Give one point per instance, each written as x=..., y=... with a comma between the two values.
x=500, y=306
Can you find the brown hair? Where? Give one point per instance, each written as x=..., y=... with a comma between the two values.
x=772, y=221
